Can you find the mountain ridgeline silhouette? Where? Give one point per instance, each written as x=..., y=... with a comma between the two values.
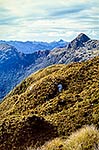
x=29, y=47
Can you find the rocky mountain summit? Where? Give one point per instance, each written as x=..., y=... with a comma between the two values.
x=82, y=48
x=79, y=41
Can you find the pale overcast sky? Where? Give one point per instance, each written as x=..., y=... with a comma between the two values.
x=48, y=20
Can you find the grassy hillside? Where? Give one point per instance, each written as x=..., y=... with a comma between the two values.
x=36, y=111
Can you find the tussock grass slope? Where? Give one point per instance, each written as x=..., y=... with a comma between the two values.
x=35, y=111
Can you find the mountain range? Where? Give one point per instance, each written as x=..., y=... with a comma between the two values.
x=16, y=65
x=30, y=47
x=45, y=110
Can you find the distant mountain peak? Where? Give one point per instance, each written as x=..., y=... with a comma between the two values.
x=4, y=46
x=79, y=41
x=61, y=40
x=83, y=37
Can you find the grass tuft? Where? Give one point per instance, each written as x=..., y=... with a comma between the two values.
x=87, y=138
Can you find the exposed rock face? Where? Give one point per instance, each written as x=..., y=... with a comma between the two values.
x=79, y=41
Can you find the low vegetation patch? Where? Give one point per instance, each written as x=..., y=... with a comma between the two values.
x=87, y=138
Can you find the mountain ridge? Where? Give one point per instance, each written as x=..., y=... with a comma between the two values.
x=25, y=64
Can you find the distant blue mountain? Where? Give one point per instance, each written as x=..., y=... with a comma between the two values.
x=30, y=47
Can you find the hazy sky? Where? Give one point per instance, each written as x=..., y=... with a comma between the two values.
x=48, y=20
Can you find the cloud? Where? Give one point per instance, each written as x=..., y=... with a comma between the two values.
x=66, y=11
x=48, y=20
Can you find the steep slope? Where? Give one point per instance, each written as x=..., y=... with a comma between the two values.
x=53, y=102
x=31, y=47
x=10, y=64
x=14, y=66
